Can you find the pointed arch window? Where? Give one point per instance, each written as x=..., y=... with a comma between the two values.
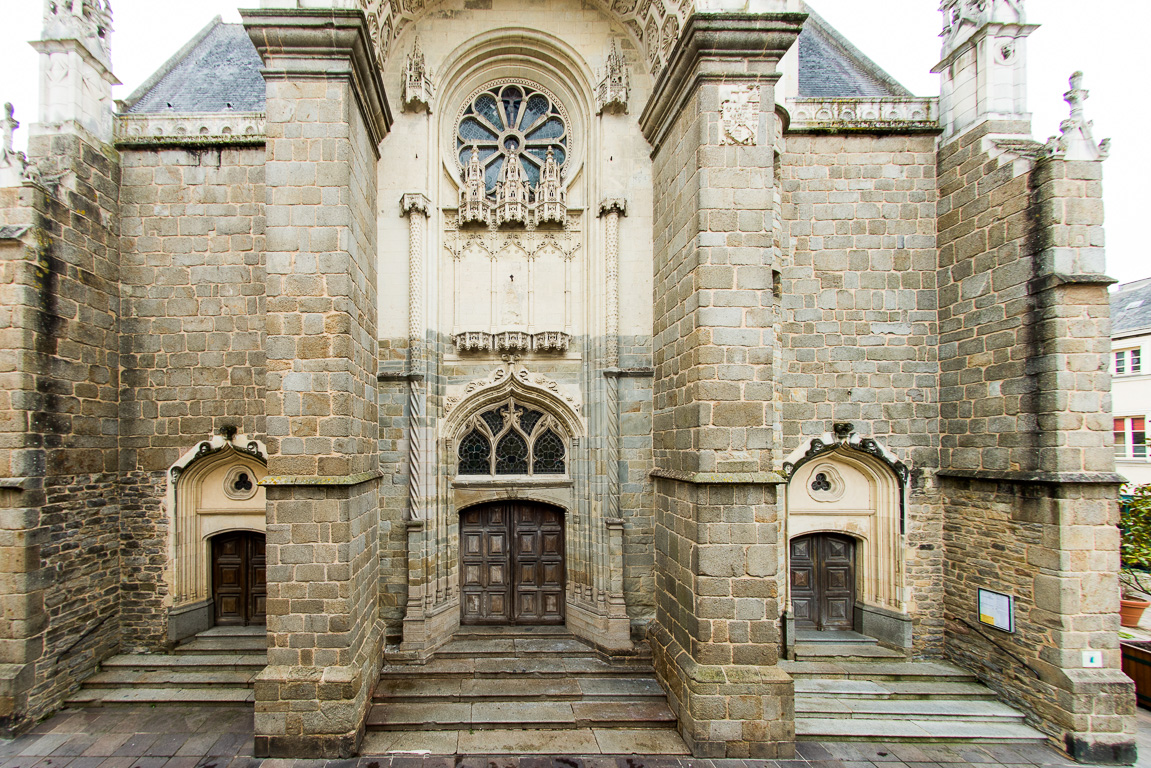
x=512, y=439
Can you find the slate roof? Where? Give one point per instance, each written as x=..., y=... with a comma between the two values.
x=218, y=71
x=220, y=67
x=831, y=67
x=1131, y=307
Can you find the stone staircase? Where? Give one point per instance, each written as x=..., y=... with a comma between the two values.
x=848, y=688
x=521, y=689
x=217, y=666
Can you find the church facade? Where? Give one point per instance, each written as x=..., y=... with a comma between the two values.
x=678, y=324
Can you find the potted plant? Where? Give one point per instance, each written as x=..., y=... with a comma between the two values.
x=1135, y=549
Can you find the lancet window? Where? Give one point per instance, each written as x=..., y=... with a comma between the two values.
x=513, y=439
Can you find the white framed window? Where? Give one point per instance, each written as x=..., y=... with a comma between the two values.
x=1130, y=437
x=1128, y=361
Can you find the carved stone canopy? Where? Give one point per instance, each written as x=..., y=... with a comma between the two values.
x=512, y=379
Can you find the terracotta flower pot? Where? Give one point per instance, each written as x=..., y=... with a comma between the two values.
x=1130, y=611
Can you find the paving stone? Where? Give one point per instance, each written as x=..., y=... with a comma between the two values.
x=641, y=741
x=501, y=742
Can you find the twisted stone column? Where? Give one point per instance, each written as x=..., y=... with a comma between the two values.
x=415, y=207
x=611, y=209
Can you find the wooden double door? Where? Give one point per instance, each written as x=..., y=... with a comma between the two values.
x=822, y=569
x=512, y=564
x=239, y=578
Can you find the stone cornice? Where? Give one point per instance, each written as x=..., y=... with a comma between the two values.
x=321, y=480
x=190, y=130
x=721, y=478
x=323, y=44
x=718, y=47
x=1050, y=478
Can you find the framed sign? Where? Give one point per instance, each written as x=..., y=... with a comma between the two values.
x=997, y=610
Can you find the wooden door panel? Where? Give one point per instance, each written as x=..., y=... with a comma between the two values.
x=822, y=575
x=525, y=582
x=239, y=579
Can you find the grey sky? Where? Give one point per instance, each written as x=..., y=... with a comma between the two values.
x=1103, y=38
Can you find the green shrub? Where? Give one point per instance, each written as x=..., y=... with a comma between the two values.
x=1135, y=539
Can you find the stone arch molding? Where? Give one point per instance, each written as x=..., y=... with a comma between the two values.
x=201, y=504
x=511, y=380
x=654, y=25
x=855, y=486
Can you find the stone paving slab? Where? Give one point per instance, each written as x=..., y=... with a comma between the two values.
x=221, y=737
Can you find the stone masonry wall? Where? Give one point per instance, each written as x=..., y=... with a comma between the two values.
x=1024, y=342
x=66, y=521
x=859, y=336
x=192, y=339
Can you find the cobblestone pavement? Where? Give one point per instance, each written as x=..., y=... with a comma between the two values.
x=221, y=737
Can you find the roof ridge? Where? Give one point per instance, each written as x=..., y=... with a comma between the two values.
x=873, y=69
x=126, y=105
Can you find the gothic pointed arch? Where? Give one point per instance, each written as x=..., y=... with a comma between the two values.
x=512, y=381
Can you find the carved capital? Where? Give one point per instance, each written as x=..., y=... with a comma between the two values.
x=613, y=205
x=414, y=201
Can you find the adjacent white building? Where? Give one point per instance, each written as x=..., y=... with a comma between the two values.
x=1131, y=378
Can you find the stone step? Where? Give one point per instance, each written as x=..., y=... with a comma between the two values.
x=520, y=647
x=513, y=667
x=842, y=688
x=171, y=678
x=204, y=645
x=532, y=715
x=813, y=707
x=258, y=630
x=526, y=631
x=544, y=745
x=844, y=652
x=835, y=636
x=924, y=730
x=217, y=662
x=216, y=695
x=607, y=689
x=924, y=671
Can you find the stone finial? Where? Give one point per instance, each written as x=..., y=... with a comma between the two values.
x=474, y=205
x=614, y=87
x=10, y=124
x=551, y=199
x=14, y=169
x=843, y=430
x=1075, y=141
x=418, y=90
x=513, y=193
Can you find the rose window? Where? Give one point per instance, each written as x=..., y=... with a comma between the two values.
x=526, y=442
x=512, y=122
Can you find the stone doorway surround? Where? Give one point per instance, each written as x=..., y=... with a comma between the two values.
x=844, y=484
x=212, y=489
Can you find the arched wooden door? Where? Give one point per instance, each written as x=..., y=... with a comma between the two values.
x=822, y=567
x=239, y=578
x=512, y=564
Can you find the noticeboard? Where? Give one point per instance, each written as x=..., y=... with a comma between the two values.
x=997, y=610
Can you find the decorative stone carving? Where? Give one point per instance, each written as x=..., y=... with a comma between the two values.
x=1075, y=140
x=614, y=87
x=13, y=164
x=533, y=243
x=739, y=114
x=513, y=195
x=159, y=130
x=512, y=378
x=863, y=114
x=512, y=342
x=89, y=21
x=474, y=205
x=817, y=446
x=550, y=197
x=961, y=17
x=418, y=90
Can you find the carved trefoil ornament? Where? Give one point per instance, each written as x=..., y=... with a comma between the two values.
x=1075, y=140
x=614, y=87
x=739, y=114
x=418, y=90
